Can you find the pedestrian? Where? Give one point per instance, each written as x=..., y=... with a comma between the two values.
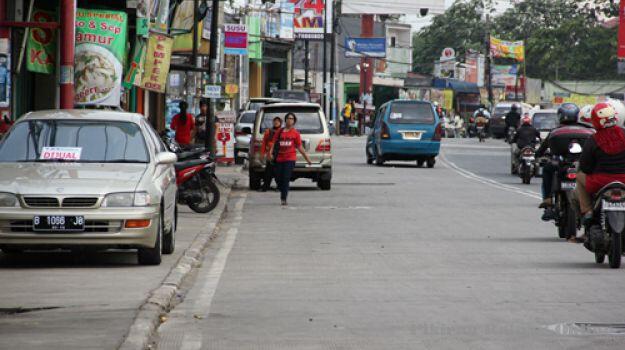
x=201, y=123
x=5, y=125
x=184, y=125
x=286, y=140
x=265, y=148
x=347, y=115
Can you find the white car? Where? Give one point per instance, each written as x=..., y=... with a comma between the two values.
x=87, y=179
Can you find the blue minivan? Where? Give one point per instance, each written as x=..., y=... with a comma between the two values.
x=408, y=130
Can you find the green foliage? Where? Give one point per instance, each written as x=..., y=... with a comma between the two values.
x=563, y=37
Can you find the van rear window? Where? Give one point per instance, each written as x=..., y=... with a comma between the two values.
x=411, y=113
x=308, y=119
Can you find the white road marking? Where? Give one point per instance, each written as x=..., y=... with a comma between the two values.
x=486, y=181
x=327, y=208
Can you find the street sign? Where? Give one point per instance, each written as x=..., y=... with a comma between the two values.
x=232, y=89
x=448, y=54
x=365, y=47
x=212, y=91
x=235, y=39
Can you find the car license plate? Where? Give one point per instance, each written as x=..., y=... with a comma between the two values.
x=52, y=223
x=611, y=206
x=412, y=135
x=568, y=185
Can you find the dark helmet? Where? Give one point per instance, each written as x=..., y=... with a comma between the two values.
x=567, y=113
x=514, y=108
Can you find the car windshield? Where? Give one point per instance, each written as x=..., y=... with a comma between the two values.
x=292, y=95
x=308, y=119
x=499, y=111
x=255, y=106
x=74, y=140
x=247, y=118
x=411, y=113
x=546, y=121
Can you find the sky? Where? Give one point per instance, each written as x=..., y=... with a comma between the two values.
x=420, y=22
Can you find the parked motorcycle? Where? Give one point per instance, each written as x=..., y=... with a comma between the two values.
x=606, y=232
x=195, y=177
x=527, y=164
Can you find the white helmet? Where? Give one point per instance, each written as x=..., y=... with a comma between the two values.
x=619, y=108
x=585, y=116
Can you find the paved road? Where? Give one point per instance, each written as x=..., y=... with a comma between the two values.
x=397, y=257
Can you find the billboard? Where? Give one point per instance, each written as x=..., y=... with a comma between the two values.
x=309, y=18
x=395, y=7
x=365, y=47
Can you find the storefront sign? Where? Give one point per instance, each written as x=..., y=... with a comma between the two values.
x=224, y=135
x=135, y=67
x=365, y=47
x=183, y=21
x=157, y=60
x=620, y=52
x=286, y=20
x=235, y=39
x=504, y=75
x=41, y=45
x=101, y=38
x=5, y=73
x=212, y=91
x=309, y=19
x=232, y=89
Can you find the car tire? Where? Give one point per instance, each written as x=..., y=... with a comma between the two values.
x=152, y=256
x=325, y=183
x=420, y=163
x=431, y=162
x=169, y=238
x=255, y=179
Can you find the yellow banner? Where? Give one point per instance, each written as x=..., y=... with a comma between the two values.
x=449, y=99
x=157, y=62
x=507, y=49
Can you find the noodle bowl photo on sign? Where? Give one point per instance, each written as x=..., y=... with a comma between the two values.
x=97, y=74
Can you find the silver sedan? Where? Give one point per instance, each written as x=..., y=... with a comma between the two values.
x=87, y=179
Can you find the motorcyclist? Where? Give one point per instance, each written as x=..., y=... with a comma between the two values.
x=558, y=143
x=513, y=117
x=603, y=157
x=526, y=135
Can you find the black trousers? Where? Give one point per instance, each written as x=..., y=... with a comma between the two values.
x=284, y=170
x=268, y=176
x=549, y=173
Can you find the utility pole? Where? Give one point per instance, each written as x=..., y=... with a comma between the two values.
x=306, y=64
x=487, y=73
x=333, y=72
x=325, y=54
x=212, y=57
x=66, y=81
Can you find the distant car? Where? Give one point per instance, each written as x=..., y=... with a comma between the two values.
x=243, y=133
x=312, y=125
x=292, y=95
x=497, y=123
x=405, y=130
x=87, y=179
x=255, y=103
x=544, y=120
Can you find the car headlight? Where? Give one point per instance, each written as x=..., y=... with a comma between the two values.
x=8, y=200
x=126, y=199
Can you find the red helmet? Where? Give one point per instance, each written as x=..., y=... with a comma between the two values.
x=603, y=116
x=526, y=120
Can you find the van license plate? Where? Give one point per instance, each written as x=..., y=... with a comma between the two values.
x=412, y=135
x=52, y=223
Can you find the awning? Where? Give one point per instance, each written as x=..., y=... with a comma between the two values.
x=458, y=86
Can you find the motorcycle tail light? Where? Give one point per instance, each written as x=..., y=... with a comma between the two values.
x=471, y=120
x=528, y=152
x=438, y=133
x=386, y=133
x=571, y=176
x=615, y=194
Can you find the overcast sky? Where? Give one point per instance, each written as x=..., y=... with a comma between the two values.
x=420, y=22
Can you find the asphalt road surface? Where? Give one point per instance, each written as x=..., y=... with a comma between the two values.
x=399, y=257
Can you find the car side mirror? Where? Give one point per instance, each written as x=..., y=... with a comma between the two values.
x=246, y=130
x=166, y=158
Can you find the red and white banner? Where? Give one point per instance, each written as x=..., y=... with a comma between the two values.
x=620, y=52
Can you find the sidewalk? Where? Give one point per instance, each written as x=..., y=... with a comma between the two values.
x=90, y=301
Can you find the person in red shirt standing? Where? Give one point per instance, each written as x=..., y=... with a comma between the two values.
x=184, y=125
x=287, y=140
x=5, y=125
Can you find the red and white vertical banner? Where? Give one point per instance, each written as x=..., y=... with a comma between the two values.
x=620, y=52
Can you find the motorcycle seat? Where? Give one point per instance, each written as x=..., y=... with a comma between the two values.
x=183, y=156
x=190, y=163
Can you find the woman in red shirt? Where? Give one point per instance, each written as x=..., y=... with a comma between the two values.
x=184, y=125
x=288, y=140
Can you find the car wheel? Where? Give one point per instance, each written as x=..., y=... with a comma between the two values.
x=152, y=256
x=169, y=237
x=431, y=162
x=420, y=163
x=325, y=183
x=254, y=180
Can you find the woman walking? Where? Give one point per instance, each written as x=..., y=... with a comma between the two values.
x=265, y=150
x=286, y=140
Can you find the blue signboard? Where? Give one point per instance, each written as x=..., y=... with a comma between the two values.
x=365, y=47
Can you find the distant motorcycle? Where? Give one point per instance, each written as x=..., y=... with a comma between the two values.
x=510, y=133
x=527, y=164
x=606, y=233
x=481, y=133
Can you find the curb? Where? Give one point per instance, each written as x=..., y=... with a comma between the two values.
x=148, y=316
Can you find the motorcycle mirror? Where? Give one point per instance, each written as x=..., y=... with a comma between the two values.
x=575, y=148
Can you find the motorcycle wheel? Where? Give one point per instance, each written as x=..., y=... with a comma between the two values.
x=527, y=176
x=599, y=257
x=614, y=256
x=567, y=224
x=206, y=204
